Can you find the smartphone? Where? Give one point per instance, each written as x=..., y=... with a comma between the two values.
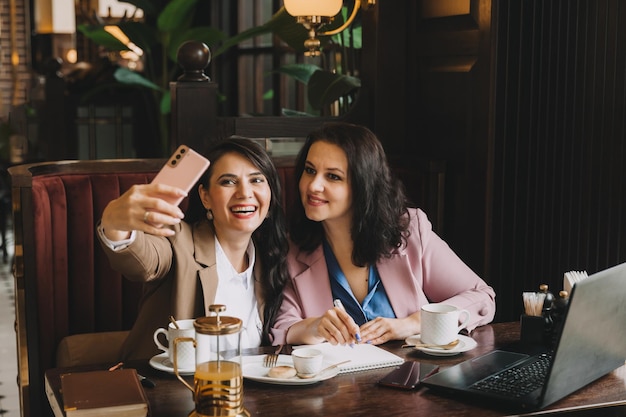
x=183, y=170
x=408, y=375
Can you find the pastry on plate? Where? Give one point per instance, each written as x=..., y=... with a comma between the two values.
x=282, y=371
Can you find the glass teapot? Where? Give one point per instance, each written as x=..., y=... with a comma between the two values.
x=218, y=378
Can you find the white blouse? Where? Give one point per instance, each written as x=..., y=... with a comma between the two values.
x=236, y=291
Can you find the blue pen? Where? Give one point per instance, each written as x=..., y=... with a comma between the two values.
x=337, y=303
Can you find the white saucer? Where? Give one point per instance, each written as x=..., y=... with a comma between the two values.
x=162, y=363
x=465, y=343
x=254, y=370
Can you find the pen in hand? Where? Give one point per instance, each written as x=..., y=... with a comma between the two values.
x=337, y=303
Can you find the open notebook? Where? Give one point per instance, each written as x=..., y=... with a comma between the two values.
x=362, y=356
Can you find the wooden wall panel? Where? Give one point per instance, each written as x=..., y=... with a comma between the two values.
x=452, y=78
x=560, y=147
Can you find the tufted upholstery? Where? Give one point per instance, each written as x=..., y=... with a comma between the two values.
x=77, y=292
x=64, y=285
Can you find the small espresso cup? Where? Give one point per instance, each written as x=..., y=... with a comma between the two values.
x=307, y=361
x=185, y=351
x=441, y=323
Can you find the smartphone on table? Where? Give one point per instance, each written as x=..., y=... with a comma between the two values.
x=408, y=375
x=183, y=170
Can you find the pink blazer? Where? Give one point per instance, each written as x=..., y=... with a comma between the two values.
x=426, y=270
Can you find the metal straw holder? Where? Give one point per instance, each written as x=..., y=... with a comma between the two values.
x=532, y=329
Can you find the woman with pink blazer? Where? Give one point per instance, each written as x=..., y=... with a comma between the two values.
x=354, y=239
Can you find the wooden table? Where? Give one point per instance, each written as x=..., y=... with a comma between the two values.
x=357, y=394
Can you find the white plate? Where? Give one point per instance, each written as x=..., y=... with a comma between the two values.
x=254, y=370
x=162, y=363
x=465, y=343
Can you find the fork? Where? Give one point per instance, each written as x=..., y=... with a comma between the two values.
x=271, y=359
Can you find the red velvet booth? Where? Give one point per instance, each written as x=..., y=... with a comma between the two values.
x=63, y=282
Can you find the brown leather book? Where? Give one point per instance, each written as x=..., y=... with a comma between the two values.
x=103, y=393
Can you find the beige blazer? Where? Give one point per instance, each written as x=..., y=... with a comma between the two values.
x=180, y=276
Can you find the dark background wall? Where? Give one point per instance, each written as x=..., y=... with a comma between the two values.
x=525, y=101
x=559, y=199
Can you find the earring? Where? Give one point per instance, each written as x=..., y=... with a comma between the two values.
x=209, y=214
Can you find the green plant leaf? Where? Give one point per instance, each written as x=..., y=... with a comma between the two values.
x=142, y=35
x=325, y=87
x=240, y=37
x=166, y=103
x=284, y=25
x=127, y=76
x=301, y=72
x=354, y=34
x=176, y=15
x=102, y=37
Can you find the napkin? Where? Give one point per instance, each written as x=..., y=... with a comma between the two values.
x=572, y=277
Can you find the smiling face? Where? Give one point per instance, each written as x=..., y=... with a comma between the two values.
x=238, y=195
x=325, y=185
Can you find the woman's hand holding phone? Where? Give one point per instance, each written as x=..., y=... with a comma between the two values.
x=182, y=170
x=151, y=207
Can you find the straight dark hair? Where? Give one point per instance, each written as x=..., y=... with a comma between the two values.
x=380, y=217
x=270, y=238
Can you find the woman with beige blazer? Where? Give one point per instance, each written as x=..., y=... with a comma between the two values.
x=229, y=247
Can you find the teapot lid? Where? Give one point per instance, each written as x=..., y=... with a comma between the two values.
x=217, y=325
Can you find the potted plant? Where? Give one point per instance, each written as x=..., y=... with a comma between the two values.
x=168, y=24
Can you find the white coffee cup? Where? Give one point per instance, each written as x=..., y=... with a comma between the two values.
x=441, y=323
x=307, y=361
x=185, y=351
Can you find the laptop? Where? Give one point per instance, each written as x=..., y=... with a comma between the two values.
x=592, y=343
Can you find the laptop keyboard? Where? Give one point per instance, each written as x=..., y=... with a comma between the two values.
x=517, y=381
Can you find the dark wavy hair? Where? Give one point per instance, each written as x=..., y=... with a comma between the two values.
x=270, y=238
x=380, y=218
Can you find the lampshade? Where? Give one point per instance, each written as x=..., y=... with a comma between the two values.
x=313, y=14
x=118, y=9
x=55, y=16
x=327, y=8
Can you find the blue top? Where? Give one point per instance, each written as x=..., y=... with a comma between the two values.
x=376, y=302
